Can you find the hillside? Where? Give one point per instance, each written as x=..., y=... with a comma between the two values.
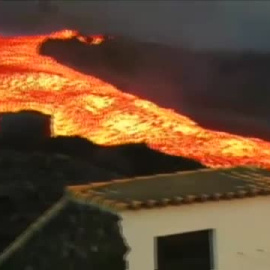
x=33, y=177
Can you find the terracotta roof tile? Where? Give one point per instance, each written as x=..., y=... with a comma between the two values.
x=176, y=189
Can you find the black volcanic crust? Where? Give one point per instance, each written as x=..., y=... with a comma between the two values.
x=129, y=160
x=33, y=176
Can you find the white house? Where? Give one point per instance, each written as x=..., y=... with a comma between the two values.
x=209, y=219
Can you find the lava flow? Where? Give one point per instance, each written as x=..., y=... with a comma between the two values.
x=86, y=106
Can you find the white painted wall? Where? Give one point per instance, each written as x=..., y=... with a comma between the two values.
x=242, y=226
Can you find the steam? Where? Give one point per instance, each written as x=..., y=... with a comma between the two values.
x=235, y=25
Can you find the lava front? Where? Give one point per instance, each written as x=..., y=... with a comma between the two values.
x=89, y=107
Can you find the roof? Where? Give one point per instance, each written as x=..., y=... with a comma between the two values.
x=175, y=189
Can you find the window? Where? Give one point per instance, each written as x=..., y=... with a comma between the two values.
x=188, y=251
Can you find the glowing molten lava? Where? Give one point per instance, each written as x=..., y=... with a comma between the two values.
x=86, y=106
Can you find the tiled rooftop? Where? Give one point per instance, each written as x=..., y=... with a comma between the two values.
x=175, y=189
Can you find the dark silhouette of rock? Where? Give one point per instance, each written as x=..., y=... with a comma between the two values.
x=32, y=182
x=138, y=160
x=72, y=146
x=33, y=178
x=127, y=160
x=71, y=236
x=24, y=128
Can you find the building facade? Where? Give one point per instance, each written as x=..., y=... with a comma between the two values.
x=238, y=235
x=210, y=219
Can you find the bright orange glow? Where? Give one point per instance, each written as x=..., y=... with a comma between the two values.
x=86, y=106
x=92, y=40
x=98, y=39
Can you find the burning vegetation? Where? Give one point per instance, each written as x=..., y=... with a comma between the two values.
x=86, y=106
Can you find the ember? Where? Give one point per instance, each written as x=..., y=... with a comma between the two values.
x=86, y=106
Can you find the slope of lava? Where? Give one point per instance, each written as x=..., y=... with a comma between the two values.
x=86, y=106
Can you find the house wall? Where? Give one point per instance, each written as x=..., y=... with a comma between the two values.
x=241, y=241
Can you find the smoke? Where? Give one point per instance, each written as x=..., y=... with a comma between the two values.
x=241, y=25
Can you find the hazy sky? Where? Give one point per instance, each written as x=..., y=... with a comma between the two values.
x=199, y=24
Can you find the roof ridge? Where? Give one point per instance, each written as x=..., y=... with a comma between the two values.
x=134, y=196
x=92, y=186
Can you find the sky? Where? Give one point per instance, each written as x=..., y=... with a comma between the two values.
x=241, y=25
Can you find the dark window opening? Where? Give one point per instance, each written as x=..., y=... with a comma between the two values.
x=187, y=251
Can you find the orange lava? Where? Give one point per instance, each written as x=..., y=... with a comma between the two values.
x=86, y=106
